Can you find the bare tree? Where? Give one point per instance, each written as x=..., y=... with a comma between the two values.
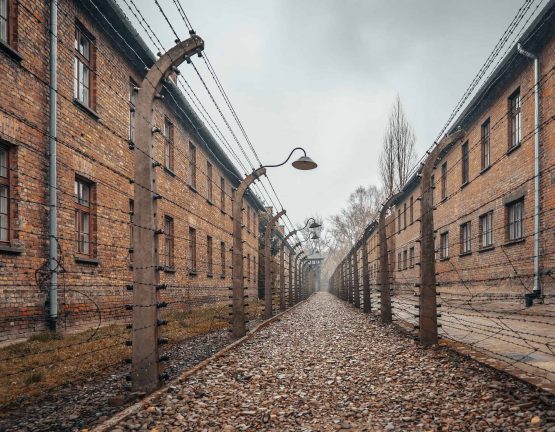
x=398, y=153
x=344, y=229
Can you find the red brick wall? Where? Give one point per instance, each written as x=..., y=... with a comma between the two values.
x=95, y=147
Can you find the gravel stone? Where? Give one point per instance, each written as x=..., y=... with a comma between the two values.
x=326, y=366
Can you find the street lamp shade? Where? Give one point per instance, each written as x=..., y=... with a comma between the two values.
x=304, y=163
x=315, y=225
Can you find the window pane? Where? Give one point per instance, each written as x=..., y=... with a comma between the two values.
x=3, y=162
x=85, y=232
x=4, y=20
x=3, y=213
x=76, y=78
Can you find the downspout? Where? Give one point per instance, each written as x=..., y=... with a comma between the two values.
x=537, y=291
x=52, y=171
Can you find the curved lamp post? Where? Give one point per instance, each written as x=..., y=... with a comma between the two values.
x=295, y=293
x=313, y=225
x=238, y=328
x=302, y=279
x=268, y=263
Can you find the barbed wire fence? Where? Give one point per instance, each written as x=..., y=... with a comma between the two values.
x=94, y=345
x=483, y=292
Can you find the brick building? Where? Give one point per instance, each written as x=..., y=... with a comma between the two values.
x=101, y=58
x=484, y=189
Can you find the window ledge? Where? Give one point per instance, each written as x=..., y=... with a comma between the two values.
x=222, y=276
x=444, y=259
x=513, y=148
x=485, y=169
x=486, y=248
x=463, y=254
x=85, y=260
x=11, y=249
x=169, y=269
x=465, y=184
x=10, y=52
x=193, y=188
x=210, y=275
x=222, y=211
x=513, y=242
x=192, y=272
x=169, y=171
x=86, y=109
x=209, y=201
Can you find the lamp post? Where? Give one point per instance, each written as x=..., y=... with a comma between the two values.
x=313, y=225
x=238, y=328
x=296, y=276
x=302, y=280
x=268, y=262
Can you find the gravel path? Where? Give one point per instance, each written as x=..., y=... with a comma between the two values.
x=326, y=366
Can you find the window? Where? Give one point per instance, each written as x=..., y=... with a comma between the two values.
x=515, y=220
x=405, y=259
x=399, y=220
x=222, y=259
x=444, y=245
x=399, y=263
x=83, y=67
x=209, y=188
x=404, y=215
x=411, y=257
x=485, y=144
x=8, y=22
x=209, y=257
x=248, y=219
x=131, y=229
x=248, y=266
x=411, y=210
x=192, y=250
x=168, y=242
x=514, y=119
x=133, y=93
x=83, y=219
x=5, y=194
x=444, y=180
x=464, y=163
x=466, y=238
x=222, y=193
x=486, y=229
x=192, y=166
x=168, y=144
x=4, y=19
x=254, y=268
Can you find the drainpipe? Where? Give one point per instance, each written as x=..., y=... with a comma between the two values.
x=52, y=185
x=537, y=282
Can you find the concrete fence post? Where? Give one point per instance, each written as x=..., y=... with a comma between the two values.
x=385, y=278
x=145, y=363
x=427, y=319
x=356, y=278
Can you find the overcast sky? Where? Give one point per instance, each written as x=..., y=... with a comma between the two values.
x=323, y=74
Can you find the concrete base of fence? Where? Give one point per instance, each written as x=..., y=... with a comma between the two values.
x=499, y=364
x=485, y=359
x=136, y=407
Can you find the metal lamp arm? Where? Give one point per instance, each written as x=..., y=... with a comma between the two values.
x=288, y=157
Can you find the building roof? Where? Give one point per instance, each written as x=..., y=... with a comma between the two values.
x=530, y=39
x=112, y=20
